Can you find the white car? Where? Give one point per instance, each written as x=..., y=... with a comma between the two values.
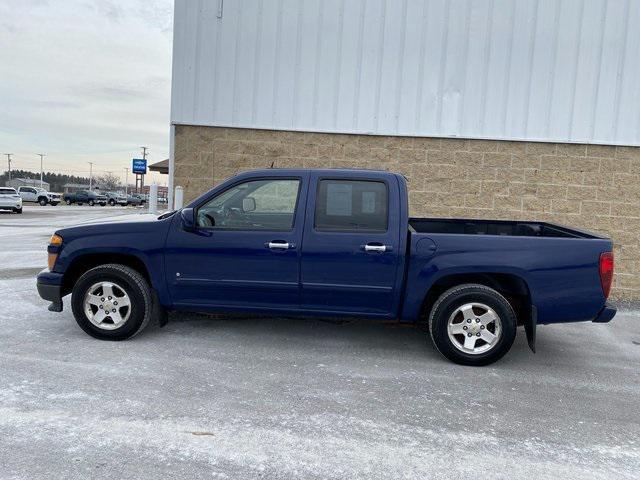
x=114, y=198
x=38, y=195
x=10, y=200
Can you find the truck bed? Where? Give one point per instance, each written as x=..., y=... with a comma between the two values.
x=495, y=227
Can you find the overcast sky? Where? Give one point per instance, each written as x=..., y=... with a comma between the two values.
x=84, y=80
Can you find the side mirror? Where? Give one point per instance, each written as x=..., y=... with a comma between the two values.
x=248, y=204
x=188, y=219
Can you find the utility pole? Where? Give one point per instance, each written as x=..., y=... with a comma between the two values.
x=41, y=157
x=126, y=180
x=90, y=175
x=9, y=161
x=141, y=188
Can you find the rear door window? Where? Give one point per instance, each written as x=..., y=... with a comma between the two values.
x=351, y=206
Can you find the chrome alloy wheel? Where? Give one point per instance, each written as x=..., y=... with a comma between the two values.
x=107, y=305
x=474, y=328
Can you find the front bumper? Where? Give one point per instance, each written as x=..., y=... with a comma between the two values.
x=606, y=314
x=50, y=288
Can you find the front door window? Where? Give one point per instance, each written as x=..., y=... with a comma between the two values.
x=254, y=205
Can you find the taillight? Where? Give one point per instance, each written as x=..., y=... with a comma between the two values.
x=606, y=272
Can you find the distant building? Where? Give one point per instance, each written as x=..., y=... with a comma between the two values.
x=161, y=167
x=26, y=182
x=163, y=192
x=74, y=187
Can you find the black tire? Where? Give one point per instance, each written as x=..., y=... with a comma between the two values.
x=129, y=281
x=458, y=296
x=68, y=202
x=112, y=202
x=102, y=204
x=91, y=203
x=43, y=201
x=18, y=210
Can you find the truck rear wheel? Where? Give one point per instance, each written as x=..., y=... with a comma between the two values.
x=42, y=201
x=112, y=302
x=472, y=325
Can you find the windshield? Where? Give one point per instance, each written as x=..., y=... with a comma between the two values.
x=7, y=191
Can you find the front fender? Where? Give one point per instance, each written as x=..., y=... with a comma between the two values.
x=144, y=241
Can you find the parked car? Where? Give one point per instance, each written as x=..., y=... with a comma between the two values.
x=114, y=198
x=85, y=196
x=38, y=195
x=135, y=200
x=336, y=243
x=10, y=200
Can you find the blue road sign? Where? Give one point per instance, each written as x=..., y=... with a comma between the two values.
x=139, y=166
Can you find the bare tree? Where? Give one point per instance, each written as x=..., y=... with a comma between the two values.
x=108, y=181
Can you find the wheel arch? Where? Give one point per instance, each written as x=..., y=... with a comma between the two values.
x=85, y=262
x=510, y=285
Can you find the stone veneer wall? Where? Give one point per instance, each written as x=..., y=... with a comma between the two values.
x=586, y=186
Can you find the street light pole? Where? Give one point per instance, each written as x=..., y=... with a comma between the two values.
x=144, y=156
x=90, y=175
x=9, y=161
x=126, y=180
x=41, y=157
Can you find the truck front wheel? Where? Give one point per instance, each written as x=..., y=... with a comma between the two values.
x=112, y=302
x=472, y=325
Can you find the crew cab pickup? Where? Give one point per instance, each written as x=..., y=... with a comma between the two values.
x=85, y=196
x=333, y=243
x=38, y=195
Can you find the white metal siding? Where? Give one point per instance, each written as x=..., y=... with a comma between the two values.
x=554, y=70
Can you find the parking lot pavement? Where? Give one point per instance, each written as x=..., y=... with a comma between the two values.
x=283, y=398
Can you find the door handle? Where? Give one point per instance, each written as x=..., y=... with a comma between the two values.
x=280, y=245
x=376, y=248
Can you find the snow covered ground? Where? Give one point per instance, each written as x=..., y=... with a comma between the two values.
x=282, y=398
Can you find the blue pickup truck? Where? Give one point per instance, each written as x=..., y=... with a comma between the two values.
x=333, y=243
